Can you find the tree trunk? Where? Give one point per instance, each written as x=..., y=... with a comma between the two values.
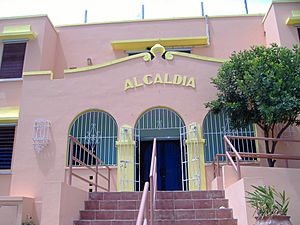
x=271, y=162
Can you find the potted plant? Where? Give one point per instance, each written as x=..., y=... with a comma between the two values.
x=270, y=205
x=28, y=221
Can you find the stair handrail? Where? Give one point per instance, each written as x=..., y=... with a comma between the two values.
x=234, y=153
x=153, y=181
x=236, y=167
x=143, y=215
x=72, y=140
x=146, y=209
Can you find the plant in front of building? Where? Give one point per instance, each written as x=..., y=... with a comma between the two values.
x=261, y=86
x=28, y=221
x=270, y=205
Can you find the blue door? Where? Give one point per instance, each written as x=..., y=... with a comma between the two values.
x=169, y=176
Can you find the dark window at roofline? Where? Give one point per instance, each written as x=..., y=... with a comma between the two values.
x=7, y=136
x=12, y=60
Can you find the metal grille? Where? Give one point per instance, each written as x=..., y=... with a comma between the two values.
x=97, y=131
x=159, y=118
x=7, y=135
x=215, y=126
x=159, y=123
x=184, y=159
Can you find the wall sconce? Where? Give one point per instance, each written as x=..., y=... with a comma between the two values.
x=40, y=135
x=89, y=61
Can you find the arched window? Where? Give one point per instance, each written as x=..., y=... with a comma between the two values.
x=215, y=126
x=97, y=131
x=159, y=122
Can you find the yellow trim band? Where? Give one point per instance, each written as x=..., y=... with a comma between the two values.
x=17, y=32
x=143, y=44
x=38, y=73
x=9, y=114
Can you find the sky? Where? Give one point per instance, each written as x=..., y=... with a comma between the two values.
x=72, y=11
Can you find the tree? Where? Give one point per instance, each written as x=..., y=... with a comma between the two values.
x=260, y=86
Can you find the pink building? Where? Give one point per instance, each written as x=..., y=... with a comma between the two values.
x=114, y=87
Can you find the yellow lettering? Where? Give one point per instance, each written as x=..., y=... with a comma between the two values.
x=147, y=79
x=184, y=80
x=191, y=82
x=166, y=79
x=128, y=84
x=177, y=79
x=136, y=84
x=158, y=79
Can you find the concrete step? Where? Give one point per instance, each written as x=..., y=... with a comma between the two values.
x=191, y=203
x=190, y=194
x=115, y=195
x=108, y=214
x=191, y=214
x=162, y=222
x=160, y=195
x=172, y=208
x=104, y=222
x=111, y=204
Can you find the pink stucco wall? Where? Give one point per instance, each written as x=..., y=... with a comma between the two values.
x=232, y=34
x=275, y=25
x=94, y=41
x=62, y=99
x=271, y=27
x=10, y=93
x=288, y=34
x=281, y=178
x=64, y=102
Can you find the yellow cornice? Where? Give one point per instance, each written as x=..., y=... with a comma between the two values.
x=39, y=73
x=294, y=19
x=144, y=55
x=23, y=17
x=22, y=32
x=143, y=44
x=160, y=19
x=285, y=1
x=9, y=114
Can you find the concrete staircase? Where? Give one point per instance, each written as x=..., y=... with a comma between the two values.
x=172, y=208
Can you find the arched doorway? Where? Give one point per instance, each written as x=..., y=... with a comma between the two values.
x=97, y=131
x=166, y=126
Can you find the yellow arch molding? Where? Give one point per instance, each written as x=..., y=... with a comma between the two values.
x=157, y=48
x=170, y=56
x=146, y=56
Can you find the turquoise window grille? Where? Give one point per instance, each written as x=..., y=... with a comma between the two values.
x=215, y=126
x=97, y=131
